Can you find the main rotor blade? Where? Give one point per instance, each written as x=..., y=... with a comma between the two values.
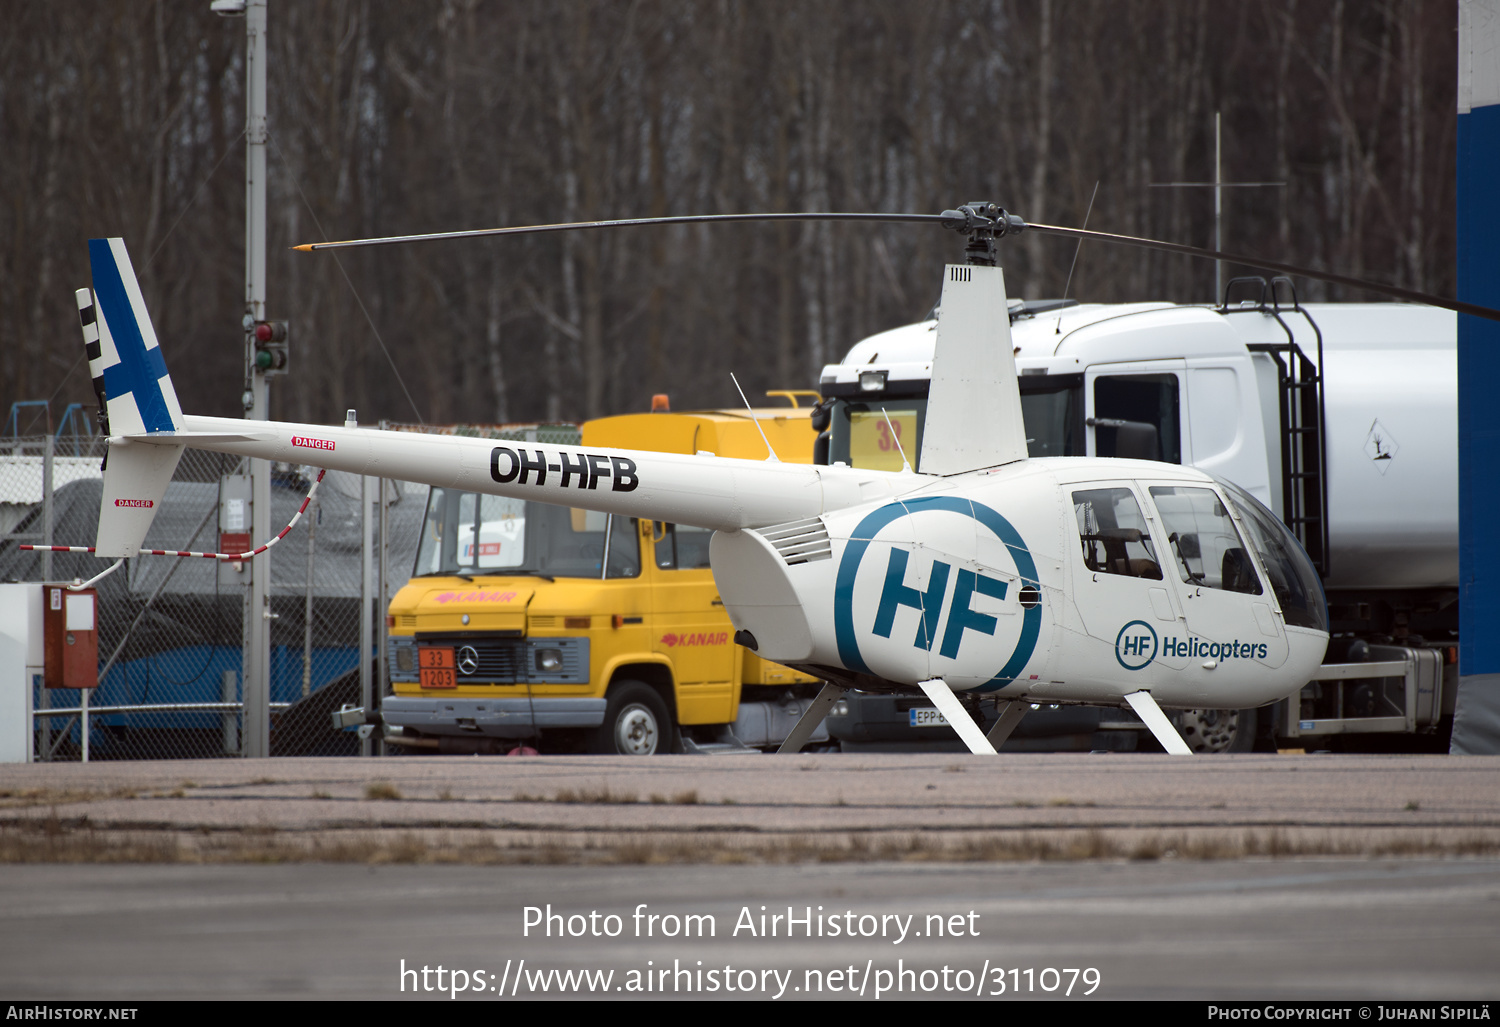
x=1077, y=233
x=576, y=225
x=1270, y=265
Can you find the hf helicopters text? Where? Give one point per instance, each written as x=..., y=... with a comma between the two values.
x=981, y=574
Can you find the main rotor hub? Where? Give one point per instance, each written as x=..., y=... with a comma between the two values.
x=983, y=222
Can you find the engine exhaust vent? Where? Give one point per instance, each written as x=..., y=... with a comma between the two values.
x=804, y=541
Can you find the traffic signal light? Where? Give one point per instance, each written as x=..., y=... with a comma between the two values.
x=270, y=346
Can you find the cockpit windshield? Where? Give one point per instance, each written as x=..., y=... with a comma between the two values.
x=468, y=534
x=1293, y=577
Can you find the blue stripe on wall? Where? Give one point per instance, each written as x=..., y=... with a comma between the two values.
x=1478, y=381
x=192, y=675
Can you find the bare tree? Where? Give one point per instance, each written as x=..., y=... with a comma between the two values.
x=124, y=118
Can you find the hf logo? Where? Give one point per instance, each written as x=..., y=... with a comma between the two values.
x=955, y=607
x=961, y=615
x=1136, y=645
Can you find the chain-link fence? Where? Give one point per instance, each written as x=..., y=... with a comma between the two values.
x=171, y=630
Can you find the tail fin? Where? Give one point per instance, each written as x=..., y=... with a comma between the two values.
x=131, y=377
x=135, y=479
x=974, y=403
x=137, y=388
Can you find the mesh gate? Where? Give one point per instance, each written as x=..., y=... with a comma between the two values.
x=171, y=630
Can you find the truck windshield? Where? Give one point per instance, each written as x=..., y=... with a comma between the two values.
x=860, y=436
x=467, y=534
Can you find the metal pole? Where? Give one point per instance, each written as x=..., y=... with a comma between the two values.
x=44, y=729
x=229, y=720
x=1218, y=185
x=366, y=594
x=44, y=738
x=257, y=678
x=381, y=677
x=307, y=604
x=84, y=714
x=49, y=451
x=1218, y=209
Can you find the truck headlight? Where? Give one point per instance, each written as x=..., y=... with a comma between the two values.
x=549, y=660
x=872, y=381
x=404, y=661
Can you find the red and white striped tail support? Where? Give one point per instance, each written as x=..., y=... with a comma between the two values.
x=207, y=556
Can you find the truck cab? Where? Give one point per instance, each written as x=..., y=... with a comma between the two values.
x=532, y=625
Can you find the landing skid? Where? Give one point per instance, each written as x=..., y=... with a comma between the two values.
x=812, y=717
x=958, y=718
x=1010, y=716
x=1151, y=715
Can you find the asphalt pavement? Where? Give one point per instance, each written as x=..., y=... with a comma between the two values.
x=837, y=877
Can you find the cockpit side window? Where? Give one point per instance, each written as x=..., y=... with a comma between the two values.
x=1114, y=535
x=1206, y=548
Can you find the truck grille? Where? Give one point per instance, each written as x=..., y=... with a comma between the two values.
x=484, y=658
x=804, y=541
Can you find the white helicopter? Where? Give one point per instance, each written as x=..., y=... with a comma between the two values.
x=978, y=574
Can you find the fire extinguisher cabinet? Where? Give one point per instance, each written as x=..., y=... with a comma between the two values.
x=70, y=628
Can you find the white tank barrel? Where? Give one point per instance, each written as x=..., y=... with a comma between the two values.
x=1391, y=436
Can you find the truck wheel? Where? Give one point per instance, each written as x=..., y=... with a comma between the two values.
x=1216, y=731
x=636, y=722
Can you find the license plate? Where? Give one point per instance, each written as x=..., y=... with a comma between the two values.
x=436, y=667
x=926, y=717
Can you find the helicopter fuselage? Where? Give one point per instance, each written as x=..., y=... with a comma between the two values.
x=1005, y=582
x=1056, y=580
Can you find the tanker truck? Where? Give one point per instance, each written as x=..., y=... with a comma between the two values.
x=1340, y=417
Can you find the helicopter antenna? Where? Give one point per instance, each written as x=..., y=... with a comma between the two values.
x=772, y=453
x=905, y=464
x=1071, y=267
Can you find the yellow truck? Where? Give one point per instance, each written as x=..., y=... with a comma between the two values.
x=531, y=625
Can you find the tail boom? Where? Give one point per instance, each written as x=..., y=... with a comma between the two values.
x=718, y=493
